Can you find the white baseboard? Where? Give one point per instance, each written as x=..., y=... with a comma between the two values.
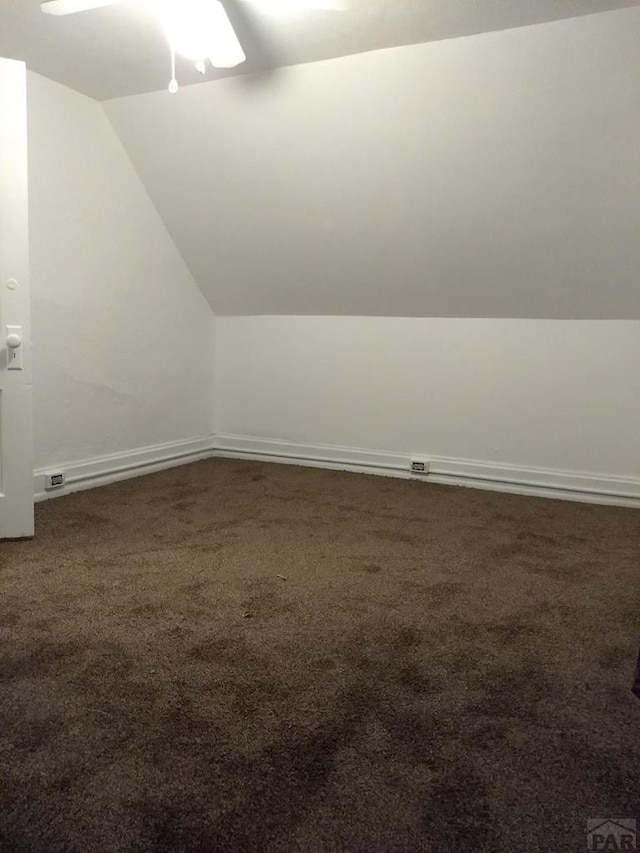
x=538, y=482
x=100, y=471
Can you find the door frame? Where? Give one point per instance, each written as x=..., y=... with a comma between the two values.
x=16, y=424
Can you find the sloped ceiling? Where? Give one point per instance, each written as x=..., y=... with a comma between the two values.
x=491, y=176
x=118, y=51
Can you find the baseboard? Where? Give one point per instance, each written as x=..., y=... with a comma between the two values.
x=586, y=487
x=539, y=482
x=100, y=471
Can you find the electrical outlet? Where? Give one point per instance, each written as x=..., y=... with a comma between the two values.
x=54, y=481
x=419, y=467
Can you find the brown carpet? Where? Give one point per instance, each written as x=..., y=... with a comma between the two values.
x=442, y=669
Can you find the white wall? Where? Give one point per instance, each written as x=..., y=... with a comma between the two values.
x=562, y=395
x=488, y=176
x=493, y=176
x=111, y=294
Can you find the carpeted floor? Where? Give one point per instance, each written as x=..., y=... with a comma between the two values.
x=235, y=656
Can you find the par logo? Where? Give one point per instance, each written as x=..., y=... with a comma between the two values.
x=612, y=835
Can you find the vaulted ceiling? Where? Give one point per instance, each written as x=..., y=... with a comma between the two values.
x=112, y=52
x=489, y=176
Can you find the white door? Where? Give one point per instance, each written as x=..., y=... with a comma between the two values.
x=16, y=442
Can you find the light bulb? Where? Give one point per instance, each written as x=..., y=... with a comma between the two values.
x=197, y=29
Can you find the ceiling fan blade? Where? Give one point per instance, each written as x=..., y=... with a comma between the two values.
x=299, y=5
x=70, y=7
x=322, y=5
x=257, y=45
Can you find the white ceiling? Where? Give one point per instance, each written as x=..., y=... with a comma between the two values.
x=118, y=51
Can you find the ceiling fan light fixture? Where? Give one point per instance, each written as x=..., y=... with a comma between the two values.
x=198, y=30
x=201, y=29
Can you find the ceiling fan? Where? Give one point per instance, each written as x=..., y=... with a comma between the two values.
x=198, y=30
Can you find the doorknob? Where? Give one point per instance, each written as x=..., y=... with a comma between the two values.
x=14, y=344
